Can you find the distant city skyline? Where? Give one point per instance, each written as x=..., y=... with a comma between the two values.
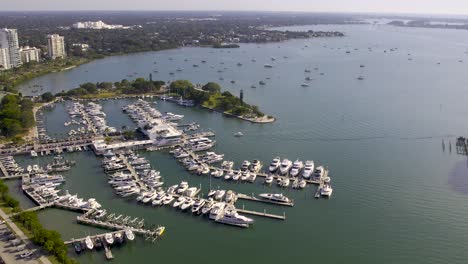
x=365, y=6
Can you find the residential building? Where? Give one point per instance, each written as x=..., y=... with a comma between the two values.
x=96, y=25
x=4, y=59
x=83, y=47
x=29, y=54
x=9, y=41
x=56, y=46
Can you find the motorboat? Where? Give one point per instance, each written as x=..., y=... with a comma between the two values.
x=326, y=190
x=236, y=176
x=183, y=186
x=302, y=184
x=129, y=234
x=217, y=173
x=208, y=206
x=269, y=179
x=211, y=193
x=229, y=196
x=245, y=165
x=187, y=204
x=190, y=192
x=158, y=200
x=217, y=210
x=168, y=199
x=198, y=205
x=89, y=243
x=238, y=134
x=308, y=169
x=231, y=217
x=172, y=189
x=245, y=175
x=296, y=168
x=179, y=202
x=277, y=197
x=275, y=164
x=285, y=166
x=219, y=194
x=229, y=175
x=255, y=166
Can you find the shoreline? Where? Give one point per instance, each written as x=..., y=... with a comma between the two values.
x=259, y=120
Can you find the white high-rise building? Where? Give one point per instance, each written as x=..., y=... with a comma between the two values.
x=9, y=40
x=56, y=46
x=29, y=54
x=4, y=59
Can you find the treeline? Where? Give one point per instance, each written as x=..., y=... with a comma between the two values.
x=16, y=115
x=50, y=240
x=7, y=199
x=137, y=86
x=210, y=96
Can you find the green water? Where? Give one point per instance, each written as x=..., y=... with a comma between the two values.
x=398, y=197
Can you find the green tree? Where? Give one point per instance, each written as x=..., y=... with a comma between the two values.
x=47, y=97
x=212, y=87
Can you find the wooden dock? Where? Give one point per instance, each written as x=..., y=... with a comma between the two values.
x=111, y=226
x=74, y=240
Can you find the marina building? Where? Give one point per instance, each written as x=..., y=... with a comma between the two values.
x=29, y=54
x=4, y=59
x=9, y=41
x=56, y=46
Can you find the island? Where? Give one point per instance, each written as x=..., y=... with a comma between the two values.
x=207, y=96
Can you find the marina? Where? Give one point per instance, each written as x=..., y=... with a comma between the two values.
x=386, y=164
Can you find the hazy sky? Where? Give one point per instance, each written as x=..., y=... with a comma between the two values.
x=380, y=6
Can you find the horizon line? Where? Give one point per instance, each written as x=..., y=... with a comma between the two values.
x=399, y=13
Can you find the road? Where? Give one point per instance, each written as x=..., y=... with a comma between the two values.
x=8, y=252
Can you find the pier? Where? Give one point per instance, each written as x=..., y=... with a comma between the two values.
x=111, y=226
x=73, y=240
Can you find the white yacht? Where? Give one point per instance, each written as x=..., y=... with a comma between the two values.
x=277, y=197
x=238, y=134
x=229, y=175
x=296, y=168
x=255, y=166
x=129, y=234
x=326, y=190
x=158, y=200
x=208, y=206
x=168, y=199
x=236, y=176
x=219, y=194
x=269, y=179
x=217, y=210
x=33, y=153
x=183, y=186
x=233, y=218
x=190, y=192
x=198, y=205
x=285, y=166
x=187, y=204
x=179, y=202
x=308, y=169
x=274, y=165
x=245, y=165
x=89, y=243
x=245, y=175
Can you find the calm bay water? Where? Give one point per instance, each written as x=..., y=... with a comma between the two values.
x=398, y=197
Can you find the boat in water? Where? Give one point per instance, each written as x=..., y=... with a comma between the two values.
x=89, y=243
x=277, y=197
x=275, y=164
x=285, y=166
x=296, y=168
x=308, y=169
x=109, y=238
x=129, y=234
